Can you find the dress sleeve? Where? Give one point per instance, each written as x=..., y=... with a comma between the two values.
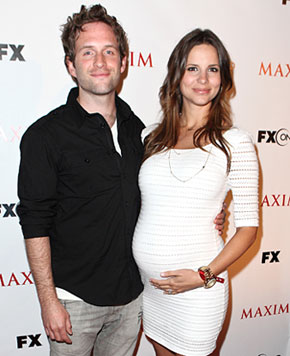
x=37, y=181
x=243, y=181
x=147, y=131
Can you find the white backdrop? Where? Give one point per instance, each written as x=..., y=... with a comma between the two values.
x=33, y=80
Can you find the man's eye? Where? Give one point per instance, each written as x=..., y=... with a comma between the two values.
x=87, y=53
x=109, y=51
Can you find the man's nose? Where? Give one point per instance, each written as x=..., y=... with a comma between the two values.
x=99, y=60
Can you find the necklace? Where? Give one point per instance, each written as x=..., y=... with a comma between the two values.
x=188, y=179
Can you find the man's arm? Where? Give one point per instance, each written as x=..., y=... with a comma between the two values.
x=55, y=318
x=37, y=182
x=219, y=220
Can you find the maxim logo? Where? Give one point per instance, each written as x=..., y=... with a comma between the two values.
x=280, y=70
x=139, y=60
x=8, y=210
x=28, y=340
x=271, y=256
x=12, y=135
x=13, y=279
x=5, y=50
x=281, y=137
x=261, y=312
x=272, y=200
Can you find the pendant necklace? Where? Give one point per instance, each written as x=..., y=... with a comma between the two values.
x=188, y=179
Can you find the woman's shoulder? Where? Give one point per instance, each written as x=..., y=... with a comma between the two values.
x=147, y=131
x=236, y=135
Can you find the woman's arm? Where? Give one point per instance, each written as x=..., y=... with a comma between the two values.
x=182, y=280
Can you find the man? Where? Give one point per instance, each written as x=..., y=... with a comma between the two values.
x=79, y=198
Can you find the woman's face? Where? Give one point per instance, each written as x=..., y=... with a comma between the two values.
x=201, y=80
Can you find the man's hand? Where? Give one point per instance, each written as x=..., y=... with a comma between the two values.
x=178, y=281
x=220, y=220
x=56, y=322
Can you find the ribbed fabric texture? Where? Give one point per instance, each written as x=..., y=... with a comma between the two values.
x=175, y=230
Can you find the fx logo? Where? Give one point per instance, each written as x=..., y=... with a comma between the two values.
x=16, y=49
x=274, y=256
x=8, y=210
x=33, y=340
x=281, y=137
x=284, y=2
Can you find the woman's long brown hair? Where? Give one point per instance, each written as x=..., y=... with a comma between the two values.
x=219, y=120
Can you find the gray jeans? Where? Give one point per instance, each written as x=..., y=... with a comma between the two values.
x=111, y=331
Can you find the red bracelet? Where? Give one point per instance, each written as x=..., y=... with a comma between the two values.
x=218, y=279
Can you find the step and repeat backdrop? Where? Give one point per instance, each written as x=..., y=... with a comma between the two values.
x=33, y=80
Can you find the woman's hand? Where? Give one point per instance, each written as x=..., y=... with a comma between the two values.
x=178, y=281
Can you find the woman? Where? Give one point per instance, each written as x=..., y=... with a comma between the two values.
x=193, y=157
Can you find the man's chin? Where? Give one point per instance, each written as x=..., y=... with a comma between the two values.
x=99, y=91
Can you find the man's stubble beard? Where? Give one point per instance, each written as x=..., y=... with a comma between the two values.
x=100, y=88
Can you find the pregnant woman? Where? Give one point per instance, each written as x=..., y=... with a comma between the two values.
x=192, y=159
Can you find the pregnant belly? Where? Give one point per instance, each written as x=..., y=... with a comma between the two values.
x=158, y=253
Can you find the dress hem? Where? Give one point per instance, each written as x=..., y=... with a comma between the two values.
x=173, y=348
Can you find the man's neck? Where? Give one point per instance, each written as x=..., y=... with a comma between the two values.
x=102, y=104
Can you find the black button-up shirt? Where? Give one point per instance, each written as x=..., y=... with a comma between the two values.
x=75, y=188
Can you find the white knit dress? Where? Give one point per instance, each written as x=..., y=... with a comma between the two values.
x=175, y=230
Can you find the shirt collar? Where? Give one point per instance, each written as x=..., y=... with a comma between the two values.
x=123, y=109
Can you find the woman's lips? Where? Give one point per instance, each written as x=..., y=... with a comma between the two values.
x=201, y=91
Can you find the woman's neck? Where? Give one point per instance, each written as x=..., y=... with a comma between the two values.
x=192, y=120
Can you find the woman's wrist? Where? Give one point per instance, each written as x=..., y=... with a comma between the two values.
x=209, y=279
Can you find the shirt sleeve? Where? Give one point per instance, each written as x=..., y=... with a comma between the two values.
x=37, y=182
x=243, y=181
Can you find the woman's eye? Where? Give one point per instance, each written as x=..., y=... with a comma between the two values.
x=214, y=69
x=192, y=69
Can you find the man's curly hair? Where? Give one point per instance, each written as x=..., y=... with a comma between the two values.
x=94, y=13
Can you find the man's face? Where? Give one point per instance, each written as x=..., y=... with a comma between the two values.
x=97, y=66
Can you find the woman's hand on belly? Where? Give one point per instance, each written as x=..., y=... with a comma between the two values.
x=178, y=281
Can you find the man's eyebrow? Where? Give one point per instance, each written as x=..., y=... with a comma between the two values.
x=109, y=45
